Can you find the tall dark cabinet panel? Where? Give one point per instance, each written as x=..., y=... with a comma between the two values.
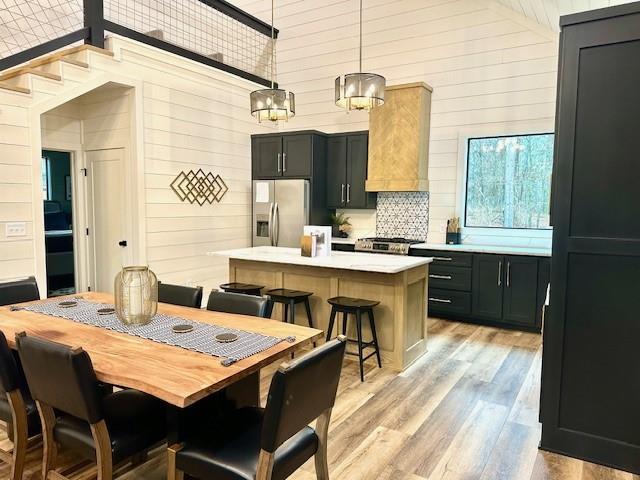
x=591, y=366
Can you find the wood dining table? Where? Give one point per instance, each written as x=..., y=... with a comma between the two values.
x=180, y=377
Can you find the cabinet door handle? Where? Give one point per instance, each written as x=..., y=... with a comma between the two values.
x=508, y=274
x=440, y=277
x=342, y=194
x=348, y=193
x=279, y=168
x=439, y=300
x=500, y=273
x=443, y=259
x=284, y=162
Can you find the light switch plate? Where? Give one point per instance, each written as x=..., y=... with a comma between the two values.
x=16, y=229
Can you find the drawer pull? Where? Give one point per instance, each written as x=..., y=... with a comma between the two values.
x=440, y=277
x=439, y=300
x=444, y=259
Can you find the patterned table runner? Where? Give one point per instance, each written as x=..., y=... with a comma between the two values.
x=201, y=339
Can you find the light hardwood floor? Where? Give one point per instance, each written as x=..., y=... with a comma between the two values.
x=467, y=410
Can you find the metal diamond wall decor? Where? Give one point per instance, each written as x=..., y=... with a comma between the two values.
x=199, y=187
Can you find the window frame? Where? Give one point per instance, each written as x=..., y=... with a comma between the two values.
x=493, y=235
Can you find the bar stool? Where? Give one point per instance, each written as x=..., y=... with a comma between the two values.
x=356, y=307
x=246, y=288
x=289, y=299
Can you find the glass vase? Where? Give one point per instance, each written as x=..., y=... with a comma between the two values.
x=136, y=295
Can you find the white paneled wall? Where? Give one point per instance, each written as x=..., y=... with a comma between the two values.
x=492, y=70
x=190, y=116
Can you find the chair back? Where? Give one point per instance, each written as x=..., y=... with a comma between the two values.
x=239, y=303
x=180, y=295
x=9, y=372
x=19, y=291
x=300, y=392
x=61, y=377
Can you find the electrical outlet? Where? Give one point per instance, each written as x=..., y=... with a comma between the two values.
x=16, y=229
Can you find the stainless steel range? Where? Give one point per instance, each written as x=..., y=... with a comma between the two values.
x=395, y=246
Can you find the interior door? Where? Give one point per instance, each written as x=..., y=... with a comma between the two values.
x=336, y=171
x=487, y=285
x=108, y=225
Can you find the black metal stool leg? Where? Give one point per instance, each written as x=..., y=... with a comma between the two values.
x=372, y=323
x=359, y=331
x=285, y=312
x=332, y=320
x=292, y=305
x=345, y=316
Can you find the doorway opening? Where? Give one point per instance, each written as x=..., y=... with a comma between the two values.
x=57, y=193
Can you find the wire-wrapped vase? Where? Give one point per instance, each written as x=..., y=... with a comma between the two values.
x=136, y=295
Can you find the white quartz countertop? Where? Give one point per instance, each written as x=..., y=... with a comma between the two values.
x=364, y=262
x=344, y=241
x=498, y=249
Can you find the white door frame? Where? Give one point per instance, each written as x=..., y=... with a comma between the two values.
x=134, y=171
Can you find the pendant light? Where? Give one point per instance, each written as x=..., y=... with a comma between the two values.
x=360, y=91
x=273, y=104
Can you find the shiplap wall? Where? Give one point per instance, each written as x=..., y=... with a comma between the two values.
x=191, y=117
x=493, y=71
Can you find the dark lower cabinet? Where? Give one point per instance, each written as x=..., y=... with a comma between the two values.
x=501, y=290
x=488, y=275
x=520, y=290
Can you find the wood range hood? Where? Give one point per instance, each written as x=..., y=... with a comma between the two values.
x=399, y=140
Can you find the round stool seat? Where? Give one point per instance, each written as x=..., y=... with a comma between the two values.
x=288, y=294
x=238, y=287
x=348, y=302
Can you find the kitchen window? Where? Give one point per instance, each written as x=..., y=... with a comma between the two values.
x=508, y=182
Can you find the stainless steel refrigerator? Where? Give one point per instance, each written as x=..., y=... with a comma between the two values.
x=280, y=211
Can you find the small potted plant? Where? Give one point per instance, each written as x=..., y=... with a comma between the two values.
x=340, y=225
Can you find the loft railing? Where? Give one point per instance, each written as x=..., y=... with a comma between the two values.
x=212, y=32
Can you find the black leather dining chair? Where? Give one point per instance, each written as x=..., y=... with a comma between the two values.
x=19, y=291
x=240, y=303
x=180, y=295
x=270, y=443
x=106, y=428
x=17, y=409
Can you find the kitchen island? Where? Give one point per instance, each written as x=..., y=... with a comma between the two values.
x=399, y=283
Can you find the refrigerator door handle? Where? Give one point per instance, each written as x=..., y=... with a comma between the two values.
x=271, y=223
x=276, y=226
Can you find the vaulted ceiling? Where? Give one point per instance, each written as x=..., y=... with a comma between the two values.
x=544, y=12
x=548, y=12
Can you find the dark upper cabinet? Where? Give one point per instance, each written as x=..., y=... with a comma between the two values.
x=487, y=279
x=289, y=156
x=336, y=171
x=347, y=171
x=266, y=157
x=520, y=290
x=297, y=155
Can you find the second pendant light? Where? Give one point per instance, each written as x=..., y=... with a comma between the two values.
x=360, y=91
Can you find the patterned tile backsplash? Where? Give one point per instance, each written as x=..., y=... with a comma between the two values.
x=403, y=214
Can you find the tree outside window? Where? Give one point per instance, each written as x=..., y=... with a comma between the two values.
x=509, y=181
